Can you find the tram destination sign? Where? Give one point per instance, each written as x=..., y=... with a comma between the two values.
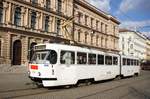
x=40, y=47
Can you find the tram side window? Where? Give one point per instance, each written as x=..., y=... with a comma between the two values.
x=67, y=57
x=115, y=61
x=81, y=58
x=137, y=63
x=91, y=58
x=101, y=59
x=132, y=62
x=52, y=57
x=128, y=62
x=108, y=60
x=124, y=61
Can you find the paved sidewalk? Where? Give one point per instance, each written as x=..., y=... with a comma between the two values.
x=13, y=69
x=15, y=81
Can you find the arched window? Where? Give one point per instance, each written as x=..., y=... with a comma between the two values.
x=59, y=5
x=34, y=1
x=79, y=36
x=58, y=21
x=1, y=12
x=46, y=23
x=48, y=4
x=33, y=20
x=17, y=16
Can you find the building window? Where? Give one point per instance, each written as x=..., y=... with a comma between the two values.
x=59, y=5
x=86, y=37
x=123, y=46
x=114, y=30
x=34, y=2
x=33, y=20
x=79, y=33
x=92, y=22
x=97, y=40
x=58, y=21
x=102, y=27
x=47, y=4
x=114, y=44
x=79, y=17
x=106, y=42
x=46, y=23
x=17, y=16
x=97, y=22
x=131, y=46
x=1, y=12
x=122, y=39
x=86, y=19
x=106, y=28
x=102, y=41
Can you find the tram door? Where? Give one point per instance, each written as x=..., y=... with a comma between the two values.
x=17, y=47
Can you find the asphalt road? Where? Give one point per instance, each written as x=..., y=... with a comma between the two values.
x=18, y=86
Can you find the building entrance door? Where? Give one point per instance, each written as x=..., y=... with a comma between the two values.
x=17, y=47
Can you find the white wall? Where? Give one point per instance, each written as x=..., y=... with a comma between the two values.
x=134, y=44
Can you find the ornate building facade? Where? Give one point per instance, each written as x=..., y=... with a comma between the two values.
x=25, y=23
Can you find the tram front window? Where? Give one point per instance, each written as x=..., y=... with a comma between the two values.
x=41, y=57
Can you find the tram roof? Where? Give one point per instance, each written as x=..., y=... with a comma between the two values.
x=56, y=46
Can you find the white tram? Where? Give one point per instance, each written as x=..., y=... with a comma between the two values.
x=129, y=66
x=58, y=64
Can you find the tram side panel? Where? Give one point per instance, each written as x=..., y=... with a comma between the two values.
x=129, y=66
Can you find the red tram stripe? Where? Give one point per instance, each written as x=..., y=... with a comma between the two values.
x=34, y=67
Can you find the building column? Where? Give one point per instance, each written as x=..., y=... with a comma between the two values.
x=5, y=6
x=8, y=17
x=50, y=24
x=26, y=18
x=7, y=48
x=22, y=16
x=24, y=59
x=39, y=21
x=12, y=13
x=53, y=24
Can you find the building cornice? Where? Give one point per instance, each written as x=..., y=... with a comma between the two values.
x=92, y=8
x=135, y=32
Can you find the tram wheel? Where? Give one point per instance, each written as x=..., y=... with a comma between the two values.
x=88, y=82
x=67, y=86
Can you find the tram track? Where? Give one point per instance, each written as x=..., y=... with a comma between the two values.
x=109, y=89
x=10, y=94
x=20, y=93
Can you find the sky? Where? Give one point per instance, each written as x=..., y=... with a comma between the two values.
x=133, y=14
